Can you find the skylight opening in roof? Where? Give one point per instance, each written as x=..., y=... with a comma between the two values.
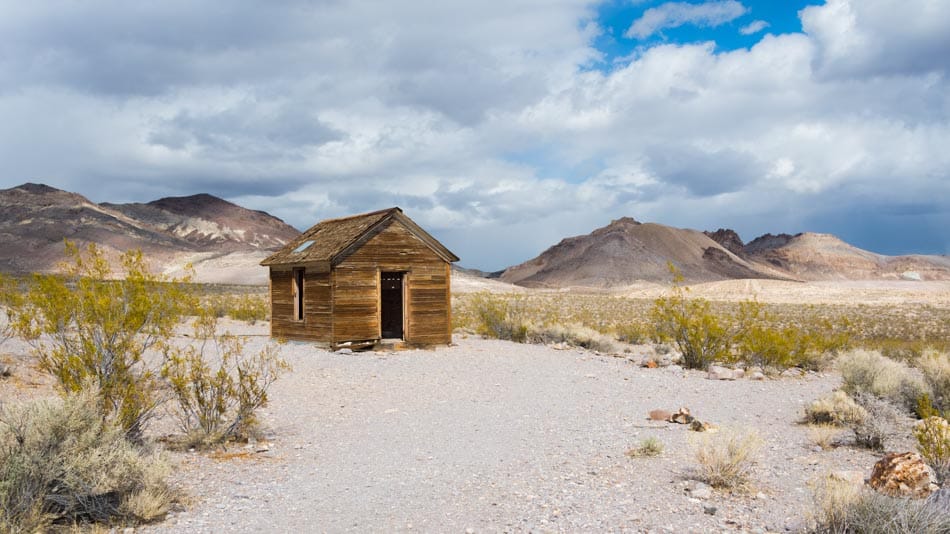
x=304, y=246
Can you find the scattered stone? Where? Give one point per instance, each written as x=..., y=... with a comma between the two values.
x=903, y=475
x=675, y=368
x=793, y=372
x=718, y=372
x=650, y=363
x=738, y=373
x=682, y=416
x=709, y=509
x=699, y=490
x=659, y=415
x=6, y=370
x=700, y=426
x=756, y=375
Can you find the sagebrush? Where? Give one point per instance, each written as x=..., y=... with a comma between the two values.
x=726, y=459
x=60, y=461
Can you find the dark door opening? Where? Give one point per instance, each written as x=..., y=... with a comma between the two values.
x=390, y=300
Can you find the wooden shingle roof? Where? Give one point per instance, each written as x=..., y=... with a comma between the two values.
x=333, y=240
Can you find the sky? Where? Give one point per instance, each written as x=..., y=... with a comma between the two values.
x=500, y=126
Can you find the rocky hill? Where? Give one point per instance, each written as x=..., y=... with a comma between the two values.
x=627, y=251
x=219, y=238
x=812, y=256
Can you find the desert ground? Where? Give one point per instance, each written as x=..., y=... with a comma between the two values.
x=495, y=436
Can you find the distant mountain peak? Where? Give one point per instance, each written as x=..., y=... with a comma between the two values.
x=38, y=189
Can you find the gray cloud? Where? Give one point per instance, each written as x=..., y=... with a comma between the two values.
x=675, y=14
x=485, y=121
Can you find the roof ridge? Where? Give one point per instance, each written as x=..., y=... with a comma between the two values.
x=367, y=214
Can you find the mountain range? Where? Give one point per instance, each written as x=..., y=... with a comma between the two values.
x=225, y=242
x=222, y=241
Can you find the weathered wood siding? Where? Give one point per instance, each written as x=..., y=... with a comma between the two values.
x=355, y=283
x=318, y=308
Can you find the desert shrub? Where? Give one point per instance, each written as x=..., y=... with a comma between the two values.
x=725, y=459
x=499, y=316
x=88, y=329
x=933, y=444
x=700, y=335
x=870, y=372
x=245, y=307
x=824, y=434
x=843, y=507
x=647, y=447
x=883, y=422
x=575, y=335
x=62, y=462
x=11, y=301
x=936, y=370
x=836, y=408
x=218, y=388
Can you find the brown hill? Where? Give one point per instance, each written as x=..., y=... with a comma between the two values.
x=201, y=229
x=812, y=256
x=627, y=251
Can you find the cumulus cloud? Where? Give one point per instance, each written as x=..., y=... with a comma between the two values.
x=488, y=122
x=753, y=27
x=676, y=14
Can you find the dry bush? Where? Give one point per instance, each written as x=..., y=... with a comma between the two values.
x=843, y=507
x=824, y=434
x=933, y=443
x=936, y=369
x=61, y=462
x=837, y=408
x=725, y=459
x=245, y=307
x=869, y=372
x=883, y=422
x=647, y=447
x=574, y=334
x=218, y=388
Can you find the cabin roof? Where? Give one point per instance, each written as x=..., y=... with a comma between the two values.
x=333, y=240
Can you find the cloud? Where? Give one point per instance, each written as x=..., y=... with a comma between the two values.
x=486, y=121
x=675, y=14
x=753, y=27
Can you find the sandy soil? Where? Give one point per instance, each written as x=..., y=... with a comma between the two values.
x=492, y=436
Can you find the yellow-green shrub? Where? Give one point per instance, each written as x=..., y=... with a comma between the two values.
x=218, y=388
x=725, y=459
x=870, y=372
x=90, y=329
x=933, y=443
x=836, y=408
x=936, y=369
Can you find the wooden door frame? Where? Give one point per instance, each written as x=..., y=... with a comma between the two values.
x=403, y=300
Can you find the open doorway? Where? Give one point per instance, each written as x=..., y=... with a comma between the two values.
x=390, y=304
x=298, y=294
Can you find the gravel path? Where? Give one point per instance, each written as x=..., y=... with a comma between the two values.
x=491, y=436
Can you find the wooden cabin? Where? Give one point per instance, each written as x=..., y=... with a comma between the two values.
x=361, y=280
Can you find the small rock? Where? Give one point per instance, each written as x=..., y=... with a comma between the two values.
x=675, y=368
x=717, y=372
x=344, y=351
x=761, y=496
x=709, y=509
x=6, y=370
x=699, y=490
x=659, y=415
x=700, y=426
x=738, y=373
x=756, y=375
x=793, y=372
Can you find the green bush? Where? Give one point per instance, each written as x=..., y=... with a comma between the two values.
x=843, y=507
x=499, y=316
x=248, y=308
x=701, y=336
x=87, y=328
x=218, y=388
x=61, y=462
x=574, y=335
x=933, y=444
